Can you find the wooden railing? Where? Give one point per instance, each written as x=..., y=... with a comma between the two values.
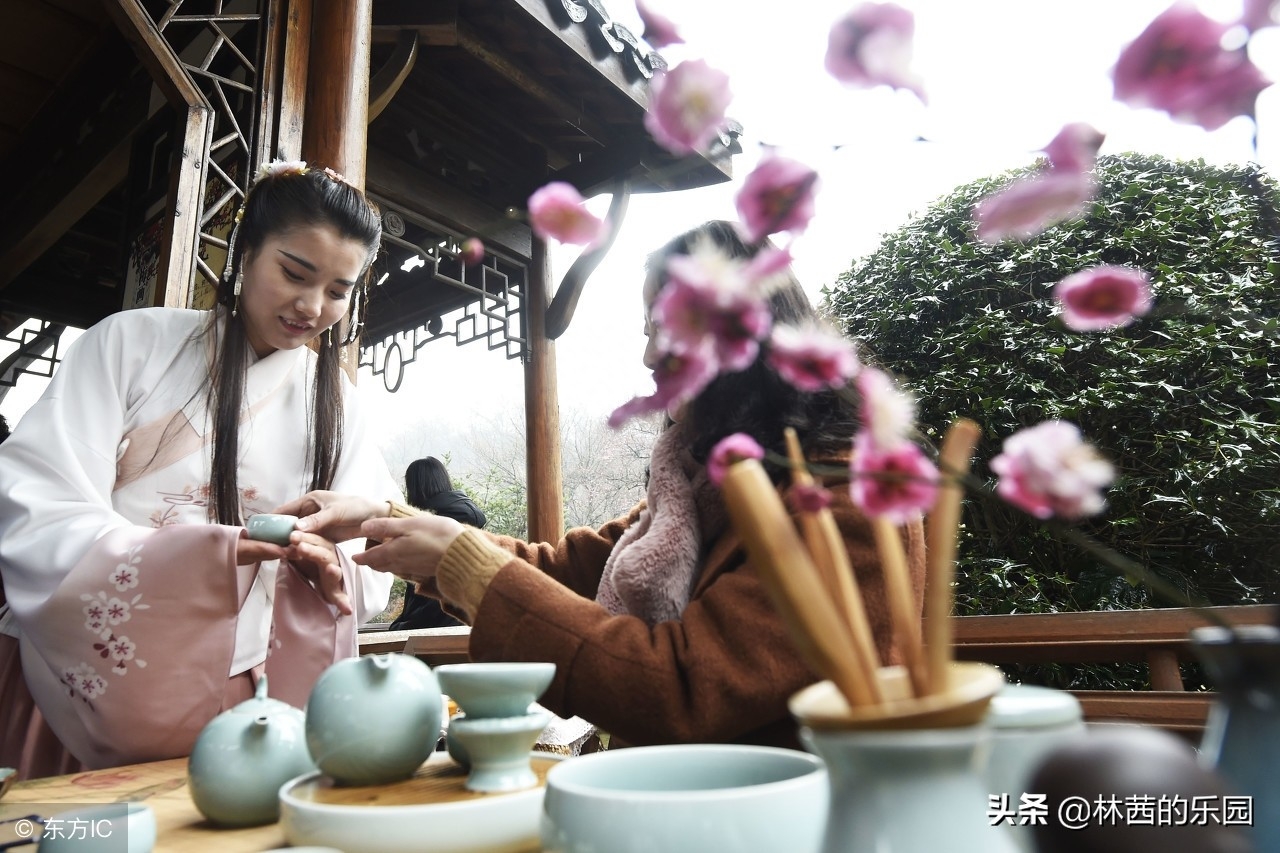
x=433, y=645
x=1158, y=638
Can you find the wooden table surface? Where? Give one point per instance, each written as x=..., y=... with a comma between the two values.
x=161, y=785
x=179, y=825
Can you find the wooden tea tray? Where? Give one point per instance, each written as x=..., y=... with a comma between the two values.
x=437, y=781
x=432, y=812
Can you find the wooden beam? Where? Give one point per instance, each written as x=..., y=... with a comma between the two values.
x=274, y=27
x=533, y=85
x=178, y=241
x=390, y=77
x=59, y=204
x=157, y=57
x=436, y=23
x=542, y=409
x=560, y=311
x=578, y=39
x=412, y=189
x=73, y=153
x=336, y=129
x=293, y=80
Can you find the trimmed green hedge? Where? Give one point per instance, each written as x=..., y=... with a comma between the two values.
x=1185, y=402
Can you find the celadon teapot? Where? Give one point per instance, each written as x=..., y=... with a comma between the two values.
x=374, y=719
x=243, y=756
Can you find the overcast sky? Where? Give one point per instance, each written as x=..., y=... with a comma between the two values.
x=1002, y=76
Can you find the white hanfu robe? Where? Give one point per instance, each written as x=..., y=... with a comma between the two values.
x=129, y=610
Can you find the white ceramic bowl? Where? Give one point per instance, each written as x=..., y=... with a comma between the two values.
x=686, y=799
x=489, y=823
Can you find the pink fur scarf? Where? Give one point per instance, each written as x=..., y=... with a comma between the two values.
x=652, y=568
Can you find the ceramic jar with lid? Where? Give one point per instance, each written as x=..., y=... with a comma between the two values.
x=1026, y=724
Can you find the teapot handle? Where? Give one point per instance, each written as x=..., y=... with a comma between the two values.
x=260, y=690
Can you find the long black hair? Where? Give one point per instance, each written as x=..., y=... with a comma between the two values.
x=424, y=479
x=757, y=401
x=277, y=203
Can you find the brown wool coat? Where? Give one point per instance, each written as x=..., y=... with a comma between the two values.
x=722, y=673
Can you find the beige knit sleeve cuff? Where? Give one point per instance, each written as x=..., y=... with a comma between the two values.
x=399, y=510
x=466, y=569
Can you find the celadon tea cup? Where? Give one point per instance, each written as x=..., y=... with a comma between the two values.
x=268, y=527
x=492, y=690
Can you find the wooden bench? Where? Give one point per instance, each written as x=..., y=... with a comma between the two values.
x=1159, y=638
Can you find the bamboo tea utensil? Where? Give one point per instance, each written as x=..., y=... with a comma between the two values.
x=902, y=604
x=792, y=580
x=827, y=549
x=942, y=538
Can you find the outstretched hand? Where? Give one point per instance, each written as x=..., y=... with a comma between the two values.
x=334, y=515
x=410, y=547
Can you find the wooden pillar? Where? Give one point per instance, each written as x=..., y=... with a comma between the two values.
x=542, y=408
x=337, y=114
x=293, y=82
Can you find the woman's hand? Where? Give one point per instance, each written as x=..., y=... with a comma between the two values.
x=411, y=547
x=250, y=551
x=333, y=515
x=316, y=559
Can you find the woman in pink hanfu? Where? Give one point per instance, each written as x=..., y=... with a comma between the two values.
x=137, y=609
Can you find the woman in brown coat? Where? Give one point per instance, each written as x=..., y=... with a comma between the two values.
x=659, y=627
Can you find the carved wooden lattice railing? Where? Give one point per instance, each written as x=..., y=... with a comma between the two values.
x=214, y=61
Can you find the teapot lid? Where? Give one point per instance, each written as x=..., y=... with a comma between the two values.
x=261, y=704
x=1026, y=706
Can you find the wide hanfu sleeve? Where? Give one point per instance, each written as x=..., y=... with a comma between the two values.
x=126, y=631
x=363, y=471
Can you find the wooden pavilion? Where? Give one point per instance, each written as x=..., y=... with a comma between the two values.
x=131, y=129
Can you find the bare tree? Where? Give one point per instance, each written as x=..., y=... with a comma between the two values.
x=604, y=469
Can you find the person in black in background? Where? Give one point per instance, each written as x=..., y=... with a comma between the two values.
x=4, y=428
x=427, y=487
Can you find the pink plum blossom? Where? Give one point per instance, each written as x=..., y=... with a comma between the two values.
x=1049, y=469
x=871, y=46
x=898, y=483
x=687, y=315
x=679, y=377
x=808, y=497
x=1103, y=297
x=557, y=211
x=710, y=297
x=811, y=359
x=472, y=251
x=1178, y=64
x=887, y=413
x=777, y=196
x=687, y=106
x=731, y=449
x=1029, y=205
x=1075, y=148
x=659, y=30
